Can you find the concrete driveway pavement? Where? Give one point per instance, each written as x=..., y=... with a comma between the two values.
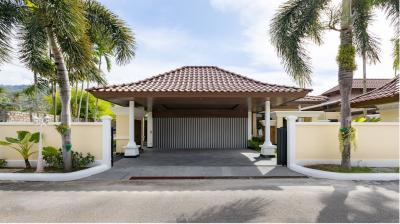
x=254, y=200
x=196, y=163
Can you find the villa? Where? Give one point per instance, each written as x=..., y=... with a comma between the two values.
x=194, y=107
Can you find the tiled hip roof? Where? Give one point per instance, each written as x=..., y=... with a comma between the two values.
x=383, y=94
x=199, y=79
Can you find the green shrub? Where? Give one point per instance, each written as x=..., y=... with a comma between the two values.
x=364, y=119
x=3, y=163
x=255, y=143
x=53, y=158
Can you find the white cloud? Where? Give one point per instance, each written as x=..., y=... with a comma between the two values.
x=255, y=17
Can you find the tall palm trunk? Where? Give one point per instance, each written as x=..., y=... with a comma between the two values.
x=36, y=103
x=96, y=108
x=54, y=100
x=80, y=102
x=87, y=103
x=345, y=76
x=364, y=61
x=76, y=100
x=65, y=96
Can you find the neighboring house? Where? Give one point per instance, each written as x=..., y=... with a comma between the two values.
x=385, y=98
x=333, y=95
x=193, y=107
x=304, y=102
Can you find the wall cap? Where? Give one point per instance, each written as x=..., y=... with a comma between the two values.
x=54, y=176
x=344, y=176
x=49, y=124
x=354, y=123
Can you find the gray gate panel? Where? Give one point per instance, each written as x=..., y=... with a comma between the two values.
x=200, y=132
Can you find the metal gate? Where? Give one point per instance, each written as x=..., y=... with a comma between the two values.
x=200, y=132
x=282, y=146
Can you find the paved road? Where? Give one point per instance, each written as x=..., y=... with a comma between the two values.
x=256, y=200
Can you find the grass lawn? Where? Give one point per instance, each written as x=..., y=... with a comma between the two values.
x=337, y=168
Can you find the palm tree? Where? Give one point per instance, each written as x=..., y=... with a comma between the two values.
x=64, y=26
x=300, y=20
x=367, y=45
x=102, y=49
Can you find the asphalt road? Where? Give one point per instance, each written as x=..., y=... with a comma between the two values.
x=257, y=200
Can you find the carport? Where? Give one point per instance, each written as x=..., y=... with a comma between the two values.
x=198, y=107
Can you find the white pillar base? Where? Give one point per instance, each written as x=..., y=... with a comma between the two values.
x=268, y=150
x=131, y=151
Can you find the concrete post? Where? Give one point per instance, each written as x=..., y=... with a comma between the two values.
x=291, y=140
x=131, y=149
x=267, y=149
x=106, y=154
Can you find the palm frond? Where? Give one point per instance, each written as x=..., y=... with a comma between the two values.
x=11, y=11
x=68, y=23
x=391, y=8
x=108, y=62
x=104, y=22
x=366, y=43
x=295, y=22
x=33, y=43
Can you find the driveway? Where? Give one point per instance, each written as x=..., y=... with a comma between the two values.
x=254, y=200
x=196, y=163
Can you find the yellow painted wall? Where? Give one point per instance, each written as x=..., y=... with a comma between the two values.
x=330, y=115
x=376, y=141
x=122, y=132
x=389, y=115
x=86, y=137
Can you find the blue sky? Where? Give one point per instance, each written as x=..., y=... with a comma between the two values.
x=232, y=34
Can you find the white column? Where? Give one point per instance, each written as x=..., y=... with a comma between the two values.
x=150, y=129
x=131, y=149
x=291, y=140
x=267, y=149
x=249, y=125
x=106, y=160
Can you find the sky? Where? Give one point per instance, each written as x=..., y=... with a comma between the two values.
x=231, y=34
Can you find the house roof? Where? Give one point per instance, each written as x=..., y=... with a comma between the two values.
x=385, y=94
x=312, y=99
x=321, y=106
x=358, y=84
x=199, y=79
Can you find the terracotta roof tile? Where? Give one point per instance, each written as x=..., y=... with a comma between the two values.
x=312, y=99
x=358, y=84
x=198, y=79
x=388, y=90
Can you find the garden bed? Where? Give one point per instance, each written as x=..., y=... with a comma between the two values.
x=33, y=170
x=355, y=169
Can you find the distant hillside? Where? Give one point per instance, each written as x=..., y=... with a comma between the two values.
x=13, y=88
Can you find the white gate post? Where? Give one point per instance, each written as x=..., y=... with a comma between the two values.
x=106, y=160
x=267, y=149
x=291, y=140
x=131, y=149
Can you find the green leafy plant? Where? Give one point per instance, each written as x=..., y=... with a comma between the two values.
x=53, y=158
x=3, y=163
x=350, y=133
x=23, y=144
x=255, y=143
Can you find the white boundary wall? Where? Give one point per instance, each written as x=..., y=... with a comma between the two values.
x=328, y=143
x=102, y=165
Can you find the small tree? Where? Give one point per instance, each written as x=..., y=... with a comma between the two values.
x=23, y=144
